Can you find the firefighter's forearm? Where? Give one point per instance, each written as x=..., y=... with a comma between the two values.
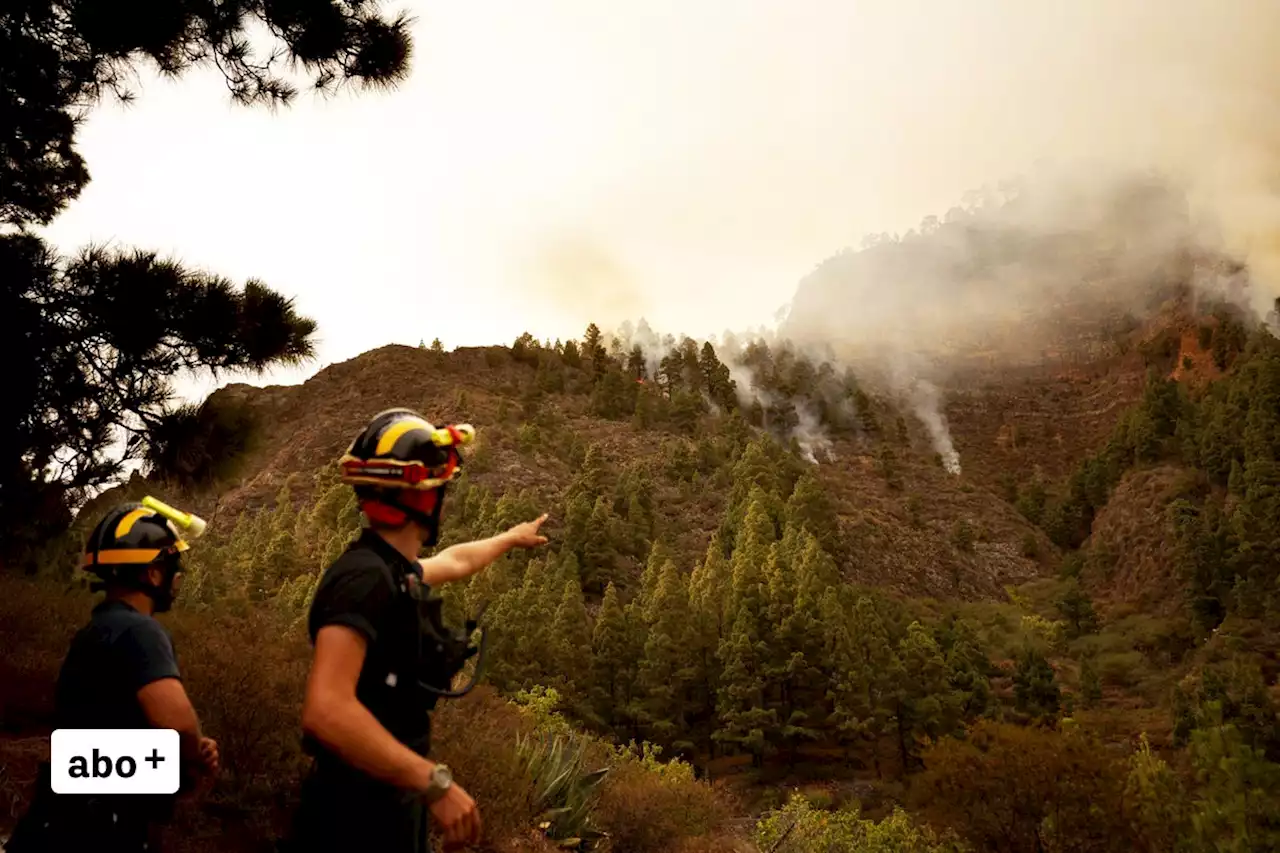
x=465, y=559
x=348, y=729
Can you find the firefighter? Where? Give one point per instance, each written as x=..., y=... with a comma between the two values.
x=121, y=673
x=381, y=656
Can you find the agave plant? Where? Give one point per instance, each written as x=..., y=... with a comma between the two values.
x=564, y=790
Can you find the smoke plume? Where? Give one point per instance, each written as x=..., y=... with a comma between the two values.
x=810, y=436
x=928, y=409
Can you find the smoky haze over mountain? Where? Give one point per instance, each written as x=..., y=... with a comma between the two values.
x=1128, y=147
x=1160, y=141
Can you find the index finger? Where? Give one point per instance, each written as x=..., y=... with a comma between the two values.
x=473, y=826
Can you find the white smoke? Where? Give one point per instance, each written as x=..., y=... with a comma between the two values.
x=810, y=436
x=808, y=433
x=653, y=347
x=928, y=408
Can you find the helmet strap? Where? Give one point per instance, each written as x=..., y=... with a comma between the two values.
x=161, y=596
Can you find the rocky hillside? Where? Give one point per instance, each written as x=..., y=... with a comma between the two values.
x=899, y=521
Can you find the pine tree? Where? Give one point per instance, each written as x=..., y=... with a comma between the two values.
x=570, y=636
x=572, y=354
x=640, y=522
x=521, y=621
x=614, y=395
x=924, y=704
x=862, y=690
x=611, y=660
x=755, y=478
x=577, y=525
x=708, y=589
x=744, y=720
x=665, y=667
x=600, y=550
x=1077, y=610
x=810, y=507
x=645, y=414
x=748, y=592
x=484, y=588
x=593, y=474
x=969, y=669
x=636, y=367
x=633, y=713
x=716, y=380
x=659, y=555
x=1035, y=689
x=799, y=638
x=593, y=351
x=849, y=689
x=1090, y=683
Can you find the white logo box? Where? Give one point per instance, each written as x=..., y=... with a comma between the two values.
x=115, y=761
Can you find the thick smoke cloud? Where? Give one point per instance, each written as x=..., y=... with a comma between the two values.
x=1164, y=169
x=1126, y=145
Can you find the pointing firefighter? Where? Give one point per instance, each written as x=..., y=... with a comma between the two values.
x=382, y=657
x=121, y=673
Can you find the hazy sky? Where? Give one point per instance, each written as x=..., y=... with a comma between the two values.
x=689, y=162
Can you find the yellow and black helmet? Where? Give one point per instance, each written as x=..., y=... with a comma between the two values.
x=400, y=449
x=133, y=535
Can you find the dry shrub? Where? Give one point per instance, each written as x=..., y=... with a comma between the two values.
x=1016, y=789
x=476, y=737
x=246, y=677
x=37, y=621
x=20, y=760
x=721, y=843
x=647, y=811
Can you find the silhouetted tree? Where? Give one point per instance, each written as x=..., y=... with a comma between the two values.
x=60, y=57
x=102, y=335
x=99, y=338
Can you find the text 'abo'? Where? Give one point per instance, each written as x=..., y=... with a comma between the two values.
x=115, y=761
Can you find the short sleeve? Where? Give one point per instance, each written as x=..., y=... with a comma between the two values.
x=147, y=653
x=354, y=593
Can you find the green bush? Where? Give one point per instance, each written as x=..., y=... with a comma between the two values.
x=1121, y=669
x=564, y=789
x=798, y=827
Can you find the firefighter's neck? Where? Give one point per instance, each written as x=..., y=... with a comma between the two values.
x=407, y=540
x=135, y=598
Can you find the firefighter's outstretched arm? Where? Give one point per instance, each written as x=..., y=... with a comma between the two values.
x=464, y=560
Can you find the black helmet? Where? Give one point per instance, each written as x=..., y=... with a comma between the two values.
x=399, y=449
x=129, y=538
x=400, y=464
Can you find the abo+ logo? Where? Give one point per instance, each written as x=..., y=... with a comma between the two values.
x=115, y=761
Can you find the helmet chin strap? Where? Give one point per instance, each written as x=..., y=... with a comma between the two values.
x=161, y=596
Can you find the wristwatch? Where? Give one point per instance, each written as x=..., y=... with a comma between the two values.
x=441, y=780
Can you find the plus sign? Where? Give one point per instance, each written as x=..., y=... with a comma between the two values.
x=155, y=758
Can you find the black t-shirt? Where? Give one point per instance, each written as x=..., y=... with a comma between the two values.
x=365, y=590
x=370, y=590
x=118, y=653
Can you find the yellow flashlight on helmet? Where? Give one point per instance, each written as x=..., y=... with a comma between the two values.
x=453, y=435
x=191, y=523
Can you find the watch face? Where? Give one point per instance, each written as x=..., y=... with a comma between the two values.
x=443, y=777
